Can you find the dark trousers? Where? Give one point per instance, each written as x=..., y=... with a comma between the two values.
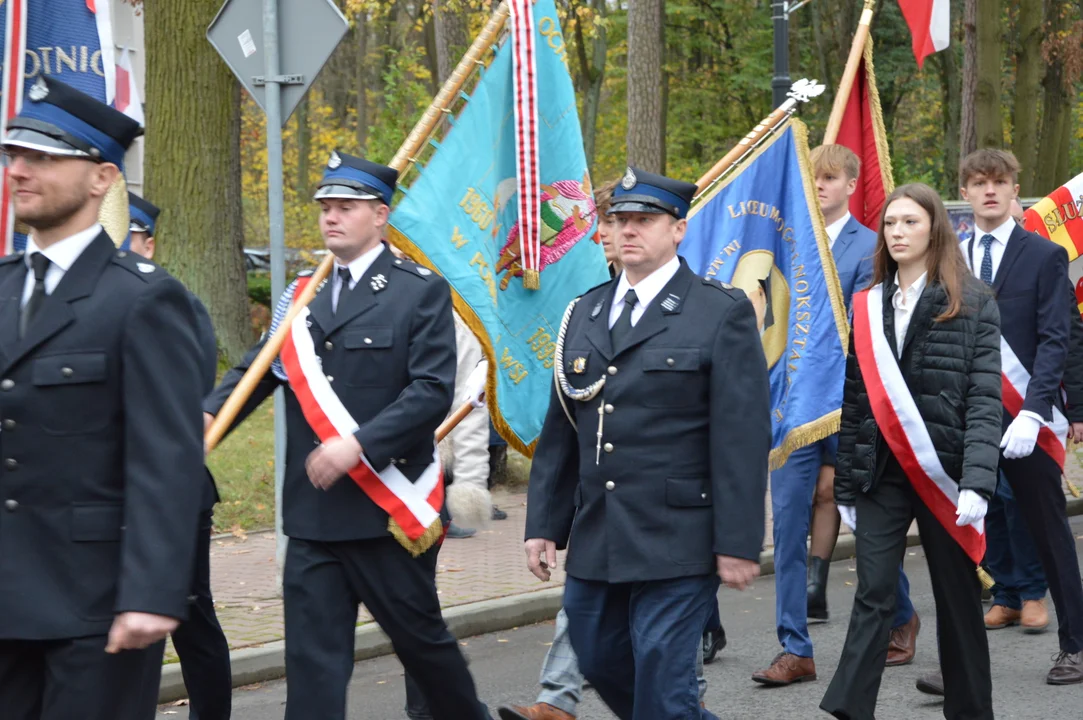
x=323, y=583
x=67, y=679
x=1010, y=555
x=200, y=643
x=637, y=642
x=1036, y=485
x=883, y=517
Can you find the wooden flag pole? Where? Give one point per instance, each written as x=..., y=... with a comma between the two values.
x=406, y=154
x=846, y=85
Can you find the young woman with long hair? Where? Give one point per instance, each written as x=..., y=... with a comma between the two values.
x=920, y=436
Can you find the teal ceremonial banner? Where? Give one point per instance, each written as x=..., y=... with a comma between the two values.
x=461, y=218
x=762, y=231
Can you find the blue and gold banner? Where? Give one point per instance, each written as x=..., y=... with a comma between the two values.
x=762, y=231
x=461, y=218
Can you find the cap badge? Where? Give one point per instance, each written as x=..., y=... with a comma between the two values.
x=145, y=267
x=39, y=91
x=335, y=161
x=629, y=180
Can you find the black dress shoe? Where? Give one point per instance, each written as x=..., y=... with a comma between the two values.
x=1068, y=669
x=455, y=532
x=713, y=642
x=499, y=514
x=932, y=684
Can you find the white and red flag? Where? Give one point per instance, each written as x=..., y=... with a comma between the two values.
x=930, y=25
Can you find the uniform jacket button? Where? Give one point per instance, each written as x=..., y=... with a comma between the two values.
x=7, y=384
x=9, y=424
x=11, y=505
x=670, y=362
x=608, y=447
x=402, y=461
x=368, y=341
x=328, y=345
x=11, y=464
x=610, y=485
x=67, y=371
x=612, y=370
x=330, y=379
x=703, y=495
x=609, y=409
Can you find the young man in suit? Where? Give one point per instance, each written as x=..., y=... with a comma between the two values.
x=1030, y=278
x=805, y=484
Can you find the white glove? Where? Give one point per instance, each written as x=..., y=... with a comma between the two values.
x=474, y=392
x=972, y=508
x=1021, y=436
x=849, y=516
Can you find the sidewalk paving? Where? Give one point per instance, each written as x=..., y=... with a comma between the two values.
x=487, y=566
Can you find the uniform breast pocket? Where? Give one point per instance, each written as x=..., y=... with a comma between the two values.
x=672, y=377
x=73, y=391
x=369, y=351
x=580, y=369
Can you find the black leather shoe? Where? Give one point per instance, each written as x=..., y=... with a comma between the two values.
x=458, y=533
x=817, y=589
x=932, y=684
x=499, y=514
x=1068, y=669
x=713, y=642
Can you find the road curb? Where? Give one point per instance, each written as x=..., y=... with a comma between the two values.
x=268, y=662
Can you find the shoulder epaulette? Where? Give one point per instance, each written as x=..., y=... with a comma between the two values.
x=734, y=292
x=412, y=267
x=137, y=265
x=13, y=257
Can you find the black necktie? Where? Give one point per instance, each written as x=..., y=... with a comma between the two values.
x=39, y=264
x=344, y=278
x=623, y=326
x=987, y=259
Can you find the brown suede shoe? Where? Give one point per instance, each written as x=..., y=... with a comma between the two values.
x=1001, y=617
x=1068, y=670
x=903, y=643
x=786, y=669
x=1035, y=617
x=537, y=711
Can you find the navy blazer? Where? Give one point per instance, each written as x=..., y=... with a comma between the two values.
x=853, y=251
x=1035, y=312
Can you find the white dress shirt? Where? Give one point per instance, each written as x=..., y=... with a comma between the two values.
x=62, y=255
x=646, y=289
x=357, y=267
x=835, y=228
x=1000, y=236
x=904, y=304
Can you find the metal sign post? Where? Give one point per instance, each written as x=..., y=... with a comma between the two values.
x=314, y=29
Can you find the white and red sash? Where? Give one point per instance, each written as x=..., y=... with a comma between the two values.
x=1052, y=439
x=413, y=507
x=901, y=424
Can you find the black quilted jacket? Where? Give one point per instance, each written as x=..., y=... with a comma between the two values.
x=953, y=372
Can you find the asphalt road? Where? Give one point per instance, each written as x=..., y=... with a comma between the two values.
x=505, y=666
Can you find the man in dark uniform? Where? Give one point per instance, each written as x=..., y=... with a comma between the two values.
x=99, y=431
x=200, y=643
x=373, y=358
x=652, y=461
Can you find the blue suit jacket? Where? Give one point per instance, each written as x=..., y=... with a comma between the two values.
x=853, y=253
x=1035, y=313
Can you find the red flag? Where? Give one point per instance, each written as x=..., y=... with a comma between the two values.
x=862, y=130
x=930, y=25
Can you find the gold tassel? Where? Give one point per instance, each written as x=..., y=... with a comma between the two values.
x=1071, y=487
x=531, y=279
x=985, y=578
x=423, y=543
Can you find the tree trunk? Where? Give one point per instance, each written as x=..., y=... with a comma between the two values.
x=968, y=138
x=949, y=85
x=591, y=77
x=988, y=126
x=1056, y=108
x=646, y=119
x=363, y=79
x=1028, y=78
x=192, y=164
x=431, y=61
x=452, y=36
